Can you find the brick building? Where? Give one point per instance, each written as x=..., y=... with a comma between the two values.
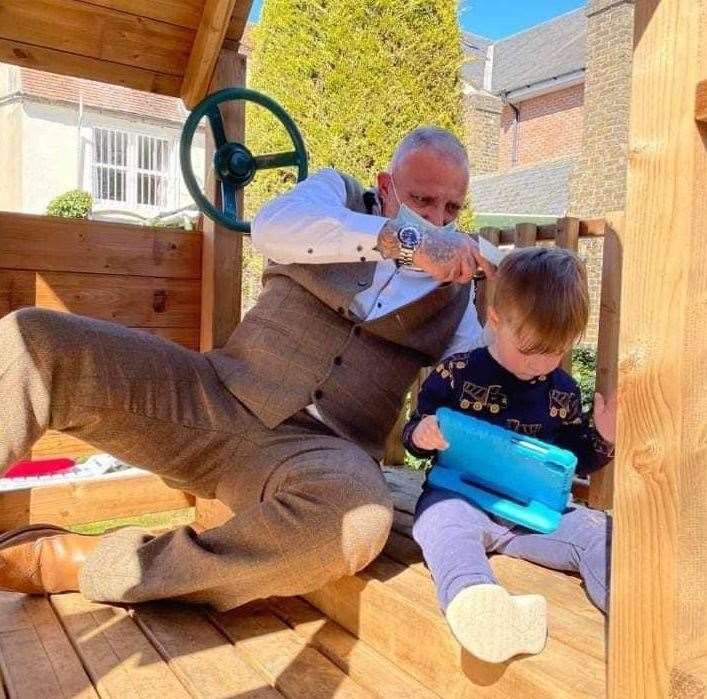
x=547, y=121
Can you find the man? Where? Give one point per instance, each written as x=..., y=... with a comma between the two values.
x=285, y=423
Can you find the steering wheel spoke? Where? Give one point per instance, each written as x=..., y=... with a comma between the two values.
x=229, y=203
x=273, y=160
x=216, y=123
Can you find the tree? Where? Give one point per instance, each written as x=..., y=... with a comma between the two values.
x=355, y=75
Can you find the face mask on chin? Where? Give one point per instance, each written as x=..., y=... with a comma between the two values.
x=408, y=217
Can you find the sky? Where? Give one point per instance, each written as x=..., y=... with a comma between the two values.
x=495, y=19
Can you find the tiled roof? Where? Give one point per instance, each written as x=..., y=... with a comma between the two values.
x=541, y=189
x=50, y=86
x=474, y=48
x=548, y=50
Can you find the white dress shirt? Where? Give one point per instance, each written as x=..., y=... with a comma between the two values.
x=311, y=224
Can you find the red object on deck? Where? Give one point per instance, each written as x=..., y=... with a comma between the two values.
x=22, y=469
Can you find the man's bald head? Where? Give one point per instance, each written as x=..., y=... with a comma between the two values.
x=440, y=141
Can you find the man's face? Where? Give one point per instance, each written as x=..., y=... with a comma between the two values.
x=432, y=185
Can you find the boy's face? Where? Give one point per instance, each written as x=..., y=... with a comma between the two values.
x=507, y=350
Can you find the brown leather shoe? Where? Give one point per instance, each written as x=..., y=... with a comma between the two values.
x=43, y=558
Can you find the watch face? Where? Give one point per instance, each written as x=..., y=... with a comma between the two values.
x=409, y=236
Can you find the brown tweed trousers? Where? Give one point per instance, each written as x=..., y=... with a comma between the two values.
x=310, y=502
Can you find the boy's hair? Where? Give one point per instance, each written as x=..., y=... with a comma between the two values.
x=543, y=293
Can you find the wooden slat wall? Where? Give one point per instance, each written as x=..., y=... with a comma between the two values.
x=142, y=45
x=144, y=278
x=658, y=615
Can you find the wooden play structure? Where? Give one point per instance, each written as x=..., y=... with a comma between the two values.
x=380, y=633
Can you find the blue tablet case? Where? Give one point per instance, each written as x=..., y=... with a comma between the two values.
x=516, y=477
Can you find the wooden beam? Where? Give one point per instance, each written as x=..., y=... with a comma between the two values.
x=63, y=63
x=89, y=501
x=52, y=244
x=701, y=102
x=222, y=256
x=601, y=483
x=205, y=51
x=99, y=33
x=658, y=615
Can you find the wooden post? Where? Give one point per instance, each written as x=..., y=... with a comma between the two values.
x=526, y=235
x=601, y=483
x=567, y=236
x=222, y=252
x=658, y=616
x=493, y=235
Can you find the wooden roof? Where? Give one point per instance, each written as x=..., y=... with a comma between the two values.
x=169, y=47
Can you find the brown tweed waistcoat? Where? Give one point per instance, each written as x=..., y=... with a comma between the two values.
x=300, y=344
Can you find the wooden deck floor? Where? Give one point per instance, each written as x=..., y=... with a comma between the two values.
x=377, y=634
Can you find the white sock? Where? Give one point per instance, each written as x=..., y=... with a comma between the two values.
x=494, y=625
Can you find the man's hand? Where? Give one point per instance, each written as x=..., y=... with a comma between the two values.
x=448, y=256
x=451, y=256
x=605, y=416
x=427, y=435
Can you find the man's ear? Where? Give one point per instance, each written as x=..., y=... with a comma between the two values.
x=384, y=185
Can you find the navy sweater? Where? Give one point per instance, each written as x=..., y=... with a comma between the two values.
x=546, y=407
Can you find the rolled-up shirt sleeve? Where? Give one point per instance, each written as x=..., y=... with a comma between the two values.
x=311, y=224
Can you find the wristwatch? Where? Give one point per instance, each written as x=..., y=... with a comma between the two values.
x=410, y=239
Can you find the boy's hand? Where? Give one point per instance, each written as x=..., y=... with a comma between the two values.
x=427, y=435
x=605, y=416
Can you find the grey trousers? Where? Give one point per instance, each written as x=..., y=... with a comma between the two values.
x=455, y=536
x=309, y=506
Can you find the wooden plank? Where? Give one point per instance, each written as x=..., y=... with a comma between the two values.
x=525, y=235
x=135, y=77
x=187, y=337
x=17, y=290
x=567, y=236
x=119, y=659
x=133, y=301
x=296, y=669
x=211, y=513
x=184, y=13
x=51, y=244
x=237, y=25
x=372, y=604
x=90, y=501
x=222, y=257
x=96, y=32
x=701, y=102
x=689, y=679
x=36, y=657
x=205, y=662
x=493, y=235
x=659, y=567
x=601, y=483
x=572, y=619
x=53, y=444
x=205, y=50
x=356, y=658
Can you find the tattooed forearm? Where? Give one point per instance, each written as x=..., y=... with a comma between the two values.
x=441, y=247
x=388, y=244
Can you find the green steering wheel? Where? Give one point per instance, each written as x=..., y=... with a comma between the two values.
x=234, y=164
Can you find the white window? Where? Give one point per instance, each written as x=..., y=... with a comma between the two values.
x=130, y=170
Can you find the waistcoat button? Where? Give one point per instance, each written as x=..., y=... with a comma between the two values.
x=338, y=361
x=318, y=394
